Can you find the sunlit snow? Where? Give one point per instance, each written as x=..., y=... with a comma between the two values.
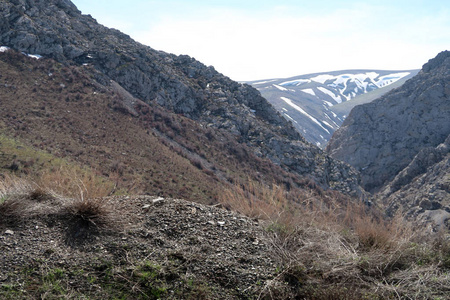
x=338, y=99
x=328, y=124
x=280, y=88
x=4, y=49
x=391, y=78
x=298, y=108
x=309, y=91
x=295, y=82
x=262, y=82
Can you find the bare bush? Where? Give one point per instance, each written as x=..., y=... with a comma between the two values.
x=329, y=247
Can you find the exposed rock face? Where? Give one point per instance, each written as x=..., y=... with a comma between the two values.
x=422, y=189
x=57, y=29
x=381, y=138
x=318, y=103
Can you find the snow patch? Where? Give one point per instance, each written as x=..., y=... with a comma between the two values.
x=4, y=49
x=295, y=82
x=328, y=124
x=290, y=118
x=322, y=78
x=391, y=78
x=328, y=103
x=262, y=82
x=280, y=88
x=298, y=108
x=35, y=56
x=338, y=99
x=309, y=91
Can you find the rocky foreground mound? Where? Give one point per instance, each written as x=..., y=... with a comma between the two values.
x=142, y=247
x=151, y=248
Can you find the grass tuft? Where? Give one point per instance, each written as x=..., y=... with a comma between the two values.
x=330, y=247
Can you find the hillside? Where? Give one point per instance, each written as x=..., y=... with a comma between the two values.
x=399, y=143
x=130, y=173
x=143, y=247
x=178, y=84
x=317, y=104
x=143, y=149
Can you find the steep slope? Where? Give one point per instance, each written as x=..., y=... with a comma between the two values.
x=143, y=148
x=422, y=189
x=56, y=29
x=381, y=138
x=318, y=103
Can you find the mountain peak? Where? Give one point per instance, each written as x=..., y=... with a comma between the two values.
x=441, y=58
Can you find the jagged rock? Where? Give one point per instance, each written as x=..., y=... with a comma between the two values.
x=57, y=29
x=422, y=189
x=381, y=138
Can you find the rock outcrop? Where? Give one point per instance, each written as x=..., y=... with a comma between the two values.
x=422, y=189
x=382, y=138
x=57, y=29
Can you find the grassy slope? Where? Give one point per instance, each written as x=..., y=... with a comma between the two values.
x=64, y=111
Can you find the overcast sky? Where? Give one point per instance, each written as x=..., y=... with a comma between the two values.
x=260, y=39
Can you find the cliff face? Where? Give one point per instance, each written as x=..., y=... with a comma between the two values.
x=381, y=138
x=57, y=29
x=422, y=189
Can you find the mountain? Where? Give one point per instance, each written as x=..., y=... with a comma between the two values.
x=399, y=142
x=317, y=104
x=154, y=86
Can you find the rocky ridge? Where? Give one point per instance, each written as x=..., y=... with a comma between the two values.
x=381, y=138
x=57, y=29
x=400, y=144
x=422, y=189
x=318, y=103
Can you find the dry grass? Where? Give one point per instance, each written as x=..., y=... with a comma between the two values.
x=334, y=248
x=21, y=199
x=75, y=183
x=81, y=197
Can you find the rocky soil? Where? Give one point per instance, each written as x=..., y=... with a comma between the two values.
x=142, y=247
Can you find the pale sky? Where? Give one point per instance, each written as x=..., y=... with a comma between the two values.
x=260, y=39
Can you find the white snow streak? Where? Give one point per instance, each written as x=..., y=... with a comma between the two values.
x=35, y=56
x=262, y=82
x=296, y=82
x=280, y=88
x=298, y=108
x=338, y=99
x=309, y=91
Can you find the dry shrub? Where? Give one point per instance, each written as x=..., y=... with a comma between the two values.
x=256, y=200
x=20, y=199
x=80, y=195
x=375, y=231
x=75, y=183
x=97, y=212
x=332, y=247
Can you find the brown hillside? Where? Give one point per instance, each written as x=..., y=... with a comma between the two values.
x=65, y=111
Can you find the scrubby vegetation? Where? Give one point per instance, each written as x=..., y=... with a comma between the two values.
x=331, y=248
x=324, y=246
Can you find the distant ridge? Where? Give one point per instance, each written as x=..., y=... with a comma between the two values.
x=318, y=103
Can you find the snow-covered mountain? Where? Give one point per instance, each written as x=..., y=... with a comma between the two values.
x=317, y=104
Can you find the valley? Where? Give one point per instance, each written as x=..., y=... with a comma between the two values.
x=131, y=173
